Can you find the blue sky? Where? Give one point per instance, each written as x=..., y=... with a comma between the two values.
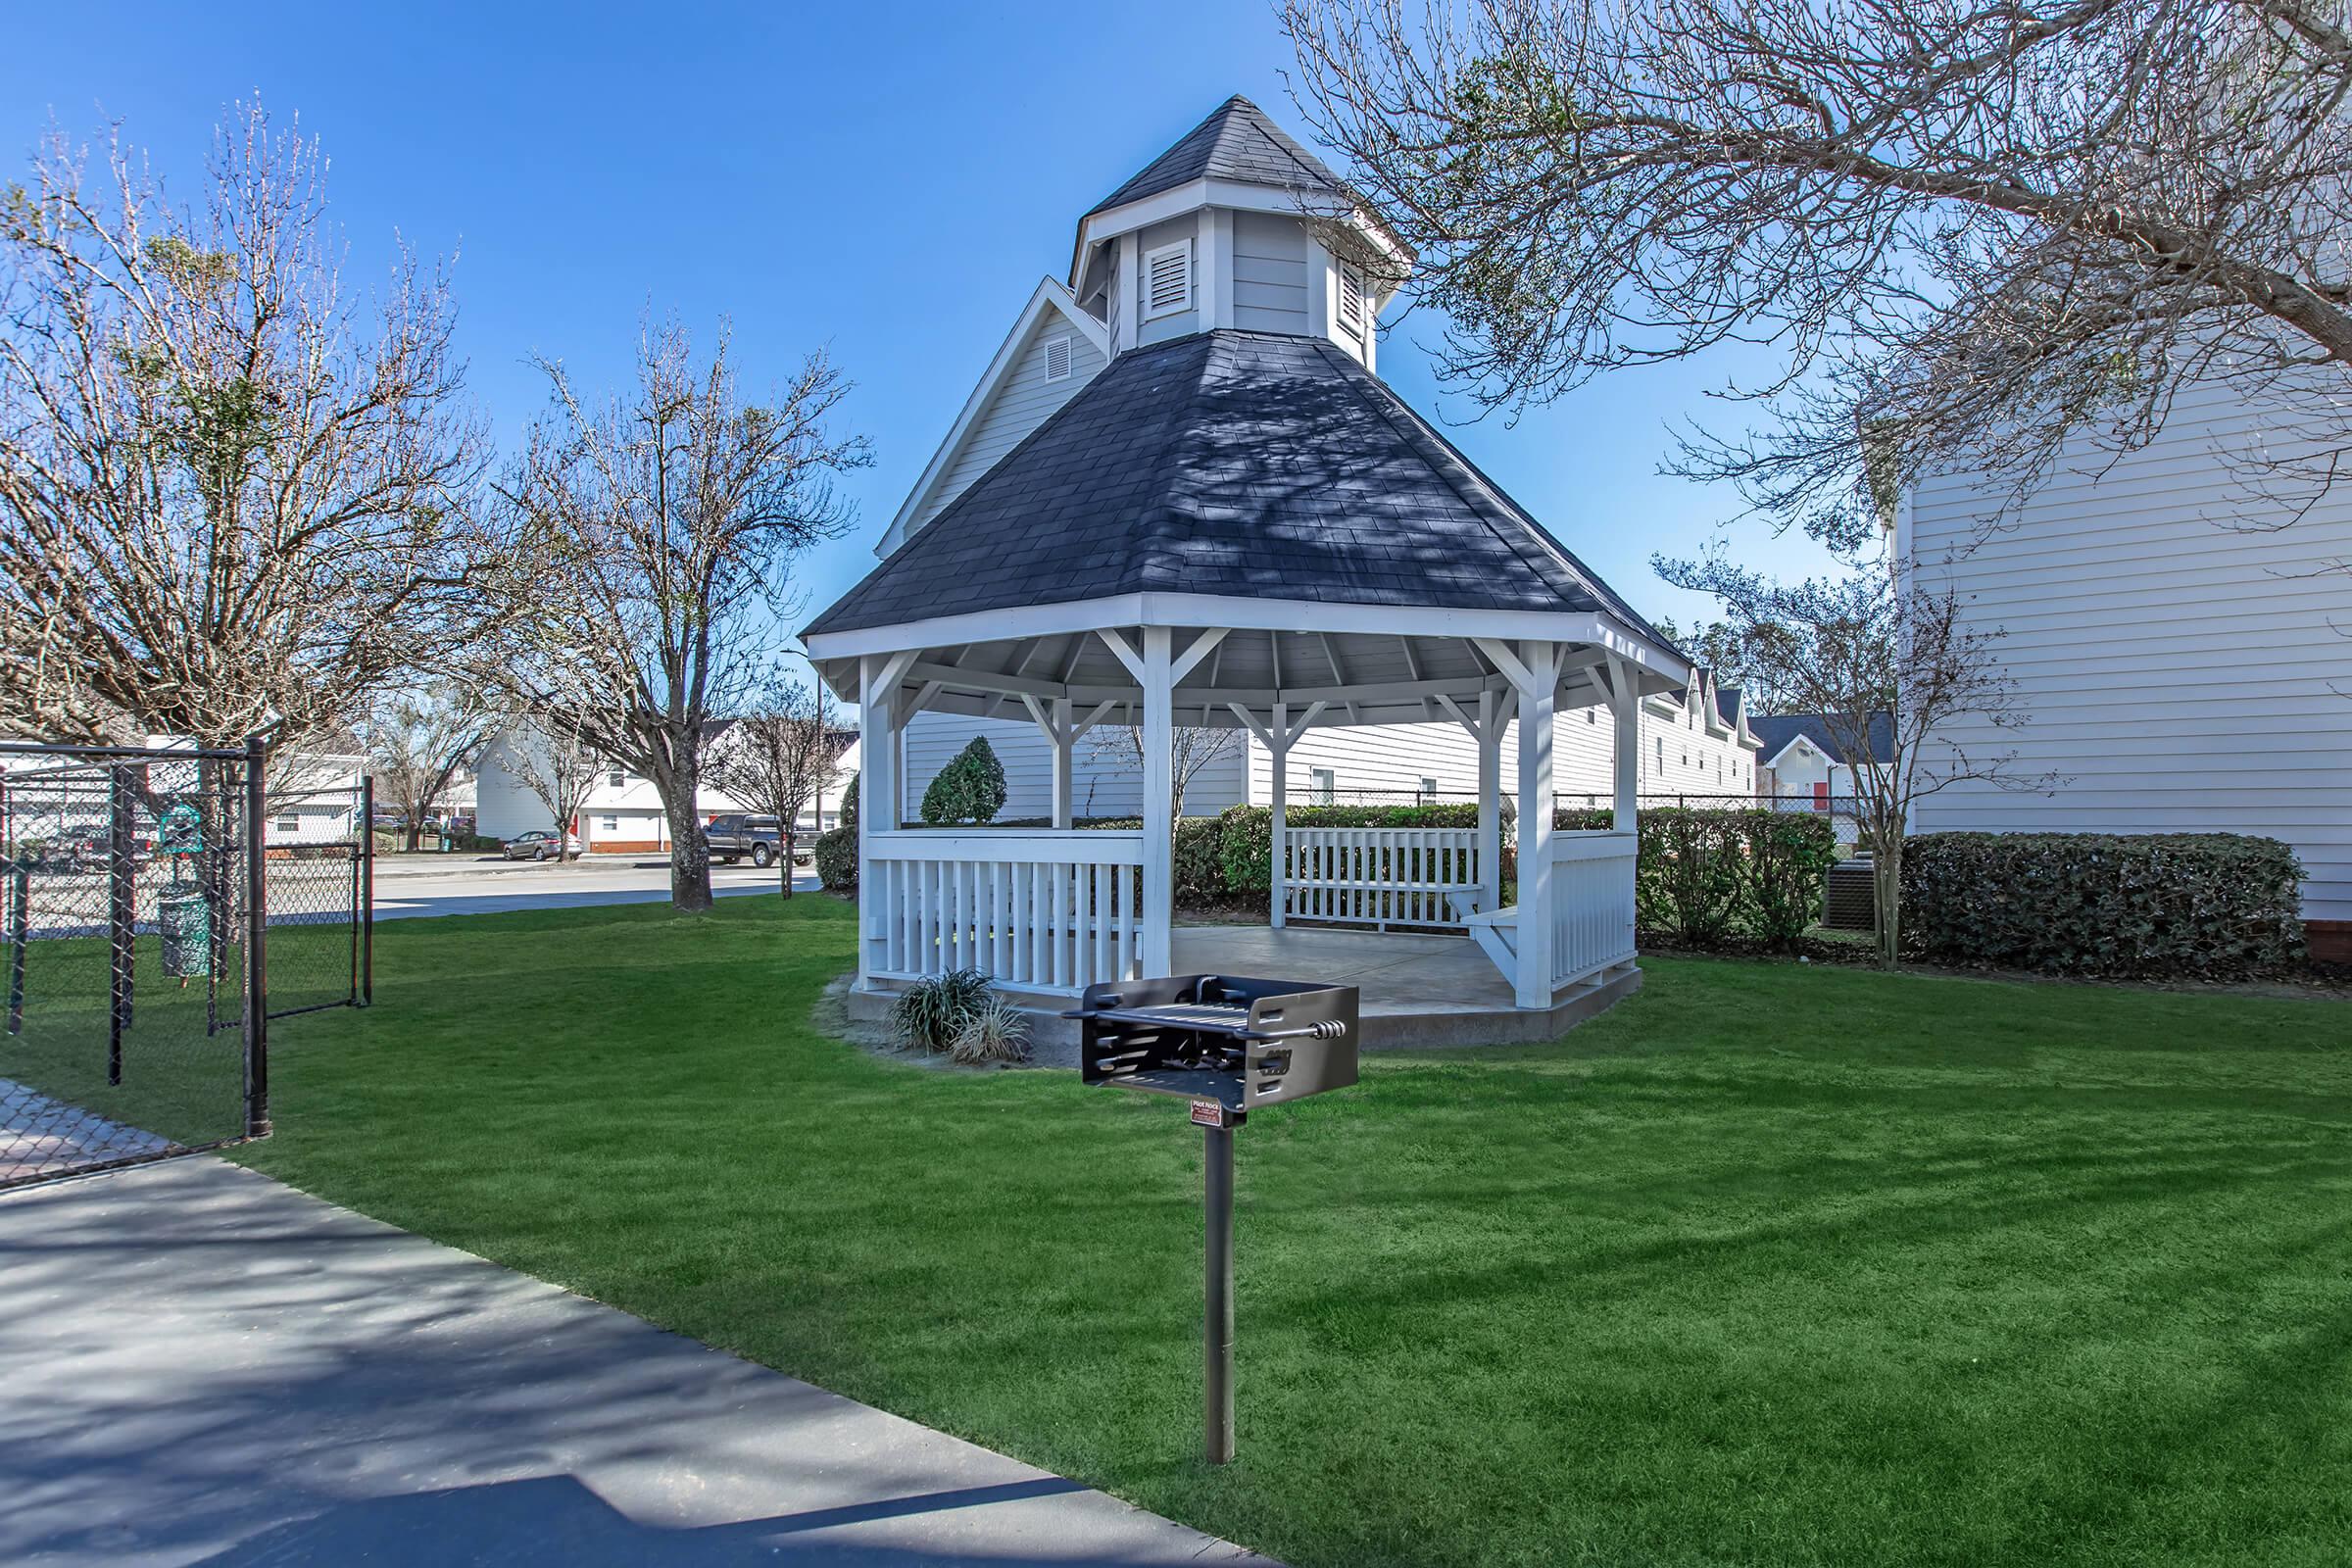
x=887, y=179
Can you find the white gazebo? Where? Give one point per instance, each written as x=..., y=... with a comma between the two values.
x=1183, y=496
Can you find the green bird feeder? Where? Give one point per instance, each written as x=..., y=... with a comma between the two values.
x=182, y=912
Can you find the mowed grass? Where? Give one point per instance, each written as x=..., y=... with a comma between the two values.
x=1771, y=1264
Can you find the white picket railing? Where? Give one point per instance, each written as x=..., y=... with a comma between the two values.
x=1592, y=911
x=1591, y=904
x=1037, y=910
x=1382, y=875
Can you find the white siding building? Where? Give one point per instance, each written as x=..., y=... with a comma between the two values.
x=623, y=813
x=2184, y=658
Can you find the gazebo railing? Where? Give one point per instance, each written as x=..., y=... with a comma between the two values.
x=1592, y=911
x=1591, y=904
x=1382, y=875
x=1045, y=911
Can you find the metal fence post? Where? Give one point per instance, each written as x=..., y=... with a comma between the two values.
x=257, y=956
x=121, y=915
x=367, y=891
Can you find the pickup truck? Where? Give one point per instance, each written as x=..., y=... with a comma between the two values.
x=732, y=837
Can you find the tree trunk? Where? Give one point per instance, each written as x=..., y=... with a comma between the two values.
x=1887, y=874
x=689, y=855
x=787, y=858
x=416, y=831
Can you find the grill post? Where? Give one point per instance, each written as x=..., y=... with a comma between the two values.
x=257, y=958
x=1216, y=1148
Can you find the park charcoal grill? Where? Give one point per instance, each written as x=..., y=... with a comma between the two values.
x=1236, y=1042
x=1228, y=1045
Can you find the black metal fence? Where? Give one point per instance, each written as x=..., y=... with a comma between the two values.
x=153, y=917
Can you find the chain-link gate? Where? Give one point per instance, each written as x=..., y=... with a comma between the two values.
x=317, y=857
x=139, y=934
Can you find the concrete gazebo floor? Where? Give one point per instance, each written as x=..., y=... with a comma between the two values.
x=1417, y=990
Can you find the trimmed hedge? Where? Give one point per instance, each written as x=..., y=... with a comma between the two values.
x=1709, y=878
x=835, y=856
x=2213, y=905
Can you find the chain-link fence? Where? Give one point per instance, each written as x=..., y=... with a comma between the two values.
x=128, y=960
x=318, y=855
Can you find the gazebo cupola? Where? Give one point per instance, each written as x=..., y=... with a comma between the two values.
x=1230, y=522
x=1236, y=225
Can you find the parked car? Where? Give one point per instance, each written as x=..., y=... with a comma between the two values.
x=731, y=837
x=540, y=844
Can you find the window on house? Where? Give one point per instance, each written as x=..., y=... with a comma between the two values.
x=1661, y=753
x=1058, y=358
x=1427, y=792
x=616, y=778
x=1323, y=786
x=1352, y=300
x=1592, y=715
x=608, y=824
x=289, y=824
x=1168, y=279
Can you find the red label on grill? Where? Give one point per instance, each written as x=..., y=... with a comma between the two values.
x=1208, y=1113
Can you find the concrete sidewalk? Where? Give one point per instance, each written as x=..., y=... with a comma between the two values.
x=199, y=1364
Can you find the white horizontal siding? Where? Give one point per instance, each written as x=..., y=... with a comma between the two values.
x=1269, y=274
x=2180, y=670
x=1022, y=403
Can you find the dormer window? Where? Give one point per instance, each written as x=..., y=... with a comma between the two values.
x=1352, y=300
x=1058, y=358
x=1168, y=279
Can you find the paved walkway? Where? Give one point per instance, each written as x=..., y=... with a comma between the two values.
x=408, y=887
x=203, y=1365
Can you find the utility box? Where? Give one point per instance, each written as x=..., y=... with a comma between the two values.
x=1239, y=1043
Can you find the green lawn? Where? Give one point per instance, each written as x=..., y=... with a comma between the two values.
x=1769, y=1265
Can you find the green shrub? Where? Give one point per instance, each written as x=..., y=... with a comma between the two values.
x=2213, y=905
x=1790, y=854
x=1708, y=878
x=970, y=789
x=835, y=855
x=849, y=803
x=1200, y=862
x=932, y=1013
x=994, y=1031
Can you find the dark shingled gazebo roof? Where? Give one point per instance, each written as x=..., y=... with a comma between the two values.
x=1238, y=463
x=1237, y=141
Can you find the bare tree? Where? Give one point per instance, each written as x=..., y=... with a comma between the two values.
x=778, y=756
x=550, y=756
x=1737, y=661
x=1194, y=748
x=1968, y=231
x=659, y=534
x=234, y=496
x=416, y=742
x=1889, y=666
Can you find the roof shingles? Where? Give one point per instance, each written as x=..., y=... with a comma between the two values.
x=1236, y=463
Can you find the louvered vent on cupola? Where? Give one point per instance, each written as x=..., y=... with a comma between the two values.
x=1168, y=279
x=1352, y=300
x=1057, y=359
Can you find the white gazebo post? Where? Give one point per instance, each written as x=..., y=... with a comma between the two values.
x=1278, y=801
x=1053, y=716
x=1159, y=792
x=1494, y=714
x=1625, y=705
x=1535, y=671
x=881, y=725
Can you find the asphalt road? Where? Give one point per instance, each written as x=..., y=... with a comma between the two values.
x=407, y=889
